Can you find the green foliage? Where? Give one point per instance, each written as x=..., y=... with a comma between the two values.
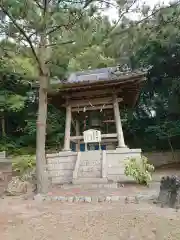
x=23, y=164
x=91, y=58
x=168, y=129
x=139, y=169
x=11, y=102
x=155, y=43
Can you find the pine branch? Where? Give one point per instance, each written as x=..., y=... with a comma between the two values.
x=67, y=26
x=120, y=18
x=150, y=15
x=23, y=33
x=61, y=43
x=38, y=4
x=70, y=25
x=45, y=6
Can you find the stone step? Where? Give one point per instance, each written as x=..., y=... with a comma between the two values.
x=89, y=180
x=90, y=186
x=89, y=175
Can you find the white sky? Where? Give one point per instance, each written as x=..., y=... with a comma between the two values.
x=113, y=15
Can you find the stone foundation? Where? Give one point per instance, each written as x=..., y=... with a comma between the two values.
x=5, y=172
x=66, y=167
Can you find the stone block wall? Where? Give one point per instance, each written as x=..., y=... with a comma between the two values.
x=5, y=172
x=115, y=161
x=162, y=158
x=61, y=166
x=90, y=165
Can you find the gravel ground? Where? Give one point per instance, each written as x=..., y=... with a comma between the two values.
x=30, y=220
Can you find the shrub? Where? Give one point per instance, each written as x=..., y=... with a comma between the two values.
x=23, y=164
x=139, y=169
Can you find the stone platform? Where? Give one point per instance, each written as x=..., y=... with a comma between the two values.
x=100, y=166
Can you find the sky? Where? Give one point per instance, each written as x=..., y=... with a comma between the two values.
x=112, y=12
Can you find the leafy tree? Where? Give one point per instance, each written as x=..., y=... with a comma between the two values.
x=153, y=44
x=167, y=130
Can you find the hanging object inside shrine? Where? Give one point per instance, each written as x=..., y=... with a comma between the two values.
x=95, y=120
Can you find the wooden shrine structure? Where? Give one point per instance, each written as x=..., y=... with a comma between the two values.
x=93, y=100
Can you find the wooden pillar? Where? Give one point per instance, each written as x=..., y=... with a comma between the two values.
x=77, y=134
x=67, y=128
x=119, y=130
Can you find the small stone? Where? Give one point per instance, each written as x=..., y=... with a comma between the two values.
x=70, y=199
x=155, y=201
x=54, y=198
x=101, y=199
x=48, y=198
x=126, y=200
x=115, y=198
x=136, y=200
x=131, y=199
x=39, y=197
x=76, y=199
x=62, y=199
x=108, y=199
x=81, y=199
x=88, y=199
x=177, y=208
x=10, y=221
x=94, y=199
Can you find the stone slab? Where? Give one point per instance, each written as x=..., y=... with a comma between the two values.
x=90, y=180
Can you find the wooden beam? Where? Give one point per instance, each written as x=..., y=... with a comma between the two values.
x=77, y=134
x=67, y=129
x=73, y=123
x=94, y=92
x=117, y=116
x=81, y=109
x=102, y=84
x=92, y=102
x=104, y=140
x=109, y=135
x=109, y=121
x=111, y=140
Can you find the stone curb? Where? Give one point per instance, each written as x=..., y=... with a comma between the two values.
x=88, y=199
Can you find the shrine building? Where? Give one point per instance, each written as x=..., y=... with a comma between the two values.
x=94, y=146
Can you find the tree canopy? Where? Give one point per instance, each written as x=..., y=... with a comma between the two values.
x=79, y=38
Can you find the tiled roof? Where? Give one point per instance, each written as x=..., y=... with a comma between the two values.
x=101, y=74
x=92, y=75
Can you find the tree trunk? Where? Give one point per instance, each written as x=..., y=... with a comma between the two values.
x=3, y=128
x=42, y=174
x=172, y=150
x=43, y=56
x=42, y=177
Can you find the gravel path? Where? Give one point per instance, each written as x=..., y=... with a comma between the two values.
x=29, y=220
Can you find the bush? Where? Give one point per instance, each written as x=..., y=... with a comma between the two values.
x=23, y=164
x=139, y=169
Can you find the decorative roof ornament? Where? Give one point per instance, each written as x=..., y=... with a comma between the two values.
x=122, y=70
